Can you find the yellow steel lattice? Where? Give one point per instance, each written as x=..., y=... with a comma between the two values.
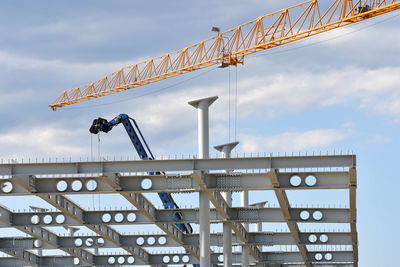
x=230, y=47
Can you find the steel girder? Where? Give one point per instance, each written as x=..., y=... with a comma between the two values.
x=183, y=176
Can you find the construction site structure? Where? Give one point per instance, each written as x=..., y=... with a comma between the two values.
x=213, y=179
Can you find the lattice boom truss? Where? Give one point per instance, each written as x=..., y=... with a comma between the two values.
x=279, y=28
x=51, y=181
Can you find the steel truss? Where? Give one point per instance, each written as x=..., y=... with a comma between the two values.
x=51, y=181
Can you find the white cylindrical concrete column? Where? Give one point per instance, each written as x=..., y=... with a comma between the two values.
x=204, y=234
x=227, y=229
x=244, y=202
x=204, y=203
x=203, y=128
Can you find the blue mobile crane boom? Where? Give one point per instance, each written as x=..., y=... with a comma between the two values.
x=102, y=125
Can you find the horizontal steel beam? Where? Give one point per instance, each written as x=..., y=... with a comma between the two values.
x=23, y=257
x=99, y=167
x=129, y=217
x=43, y=236
x=76, y=215
x=340, y=257
x=146, y=208
x=110, y=183
x=74, y=212
x=162, y=240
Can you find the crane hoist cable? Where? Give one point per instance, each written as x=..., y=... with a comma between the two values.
x=230, y=47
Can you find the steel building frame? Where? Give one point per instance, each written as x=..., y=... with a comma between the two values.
x=52, y=180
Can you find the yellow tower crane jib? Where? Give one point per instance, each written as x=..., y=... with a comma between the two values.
x=230, y=47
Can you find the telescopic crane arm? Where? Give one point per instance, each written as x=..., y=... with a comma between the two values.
x=102, y=125
x=230, y=47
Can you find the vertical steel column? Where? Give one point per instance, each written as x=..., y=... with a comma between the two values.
x=244, y=202
x=227, y=229
x=204, y=203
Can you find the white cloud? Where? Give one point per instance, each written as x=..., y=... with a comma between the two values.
x=41, y=141
x=292, y=141
x=74, y=70
x=275, y=94
x=309, y=91
x=91, y=30
x=12, y=98
x=389, y=106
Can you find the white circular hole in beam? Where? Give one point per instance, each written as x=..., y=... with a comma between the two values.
x=304, y=215
x=312, y=238
x=119, y=217
x=100, y=241
x=78, y=242
x=111, y=260
x=62, y=186
x=162, y=240
x=106, y=218
x=311, y=180
x=91, y=185
x=121, y=260
x=166, y=259
x=140, y=241
x=47, y=219
x=38, y=243
x=323, y=238
x=318, y=256
x=151, y=240
x=328, y=256
x=76, y=185
x=146, y=184
x=185, y=259
x=295, y=180
x=7, y=187
x=131, y=217
x=89, y=242
x=221, y=258
x=60, y=219
x=130, y=260
x=35, y=219
x=175, y=259
x=76, y=261
x=317, y=215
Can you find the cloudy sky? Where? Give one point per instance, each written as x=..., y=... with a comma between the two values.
x=335, y=92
